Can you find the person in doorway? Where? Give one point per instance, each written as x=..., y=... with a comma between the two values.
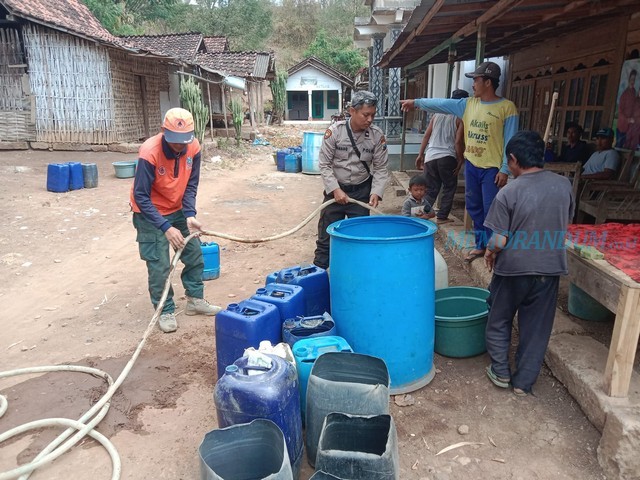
x=489, y=123
x=625, y=110
x=163, y=200
x=416, y=204
x=575, y=150
x=603, y=163
x=353, y=164
x=529, y=219
x=442, y=156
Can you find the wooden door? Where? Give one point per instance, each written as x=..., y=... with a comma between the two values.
x=543, y=93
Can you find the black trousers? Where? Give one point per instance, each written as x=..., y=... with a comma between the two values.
x=534, y=298
x=335, y=212
x=439, y=173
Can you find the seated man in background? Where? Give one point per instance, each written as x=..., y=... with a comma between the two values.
x=603, y=163
x=576, y=150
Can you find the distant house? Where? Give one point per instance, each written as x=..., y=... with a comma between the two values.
x=315, y=91
x=66, y=80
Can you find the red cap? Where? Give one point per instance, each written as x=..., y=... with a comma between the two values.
x=178, y=126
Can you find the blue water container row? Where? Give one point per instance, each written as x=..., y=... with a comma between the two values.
x=315, y=282
x=273, y=394
x=62, y=177
x=211, y=257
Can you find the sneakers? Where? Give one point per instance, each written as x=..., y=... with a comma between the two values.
x=199, y=306
x=167, y=322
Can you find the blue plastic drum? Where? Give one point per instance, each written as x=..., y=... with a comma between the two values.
x=382, y=293
x=311, y=143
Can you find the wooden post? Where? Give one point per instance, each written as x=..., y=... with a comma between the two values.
x=250, y=91
x=224, y=109
x=210, y=111
x=624, y=341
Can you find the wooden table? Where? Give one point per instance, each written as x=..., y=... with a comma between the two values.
x=621, y=294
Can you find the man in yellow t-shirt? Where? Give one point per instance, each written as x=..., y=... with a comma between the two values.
x=489, y=123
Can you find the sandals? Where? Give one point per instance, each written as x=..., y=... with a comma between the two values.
x=502, y=382
x=518, y=392
x=472, y=255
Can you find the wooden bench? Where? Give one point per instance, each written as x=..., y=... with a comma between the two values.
x=613, y=199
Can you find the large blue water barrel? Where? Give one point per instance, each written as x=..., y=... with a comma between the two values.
x=76, y=177
x=248, y=450
x=315, y=282
x=58, y=177
x=289, y=299
x=311, y=143
x=243, y=325
x=245, y=393
x=382, y=293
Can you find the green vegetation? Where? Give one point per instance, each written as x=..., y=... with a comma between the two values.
x=191, y=98
x=279, y=94
x=293, y=29
x=237, y=115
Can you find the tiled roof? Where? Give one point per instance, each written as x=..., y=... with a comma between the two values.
x=70, y=15
x=216, y=44
x=240, y=64
x=178, y=45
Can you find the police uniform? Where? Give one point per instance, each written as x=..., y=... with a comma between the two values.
x=341, y=168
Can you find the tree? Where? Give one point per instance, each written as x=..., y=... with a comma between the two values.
x=336, y=52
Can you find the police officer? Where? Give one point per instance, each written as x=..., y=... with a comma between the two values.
x=353, y=164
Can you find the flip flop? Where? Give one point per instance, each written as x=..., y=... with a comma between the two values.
x=441, y=221
x=472, y=256
x=518, y=392
x=501, y=382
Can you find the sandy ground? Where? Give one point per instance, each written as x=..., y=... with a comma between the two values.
x=74, y=292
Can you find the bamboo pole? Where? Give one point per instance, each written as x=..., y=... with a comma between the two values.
x=224, y=109
x=210, y=111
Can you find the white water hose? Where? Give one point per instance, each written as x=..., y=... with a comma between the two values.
x=85, y=424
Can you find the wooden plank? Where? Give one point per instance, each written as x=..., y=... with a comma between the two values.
x=594, y=280
x=624, y=341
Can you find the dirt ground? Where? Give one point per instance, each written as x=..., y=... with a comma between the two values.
x=74, y=292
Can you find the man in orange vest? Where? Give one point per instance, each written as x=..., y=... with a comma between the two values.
x=163, y=200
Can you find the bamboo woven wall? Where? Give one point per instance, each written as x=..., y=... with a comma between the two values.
x=15, y=101
x=71, y=82
x=130, y=75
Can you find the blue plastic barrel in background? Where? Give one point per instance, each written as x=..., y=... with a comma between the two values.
x=292, y=163
x=382, y=293
x=280, y=154
x=76, y=177
x=243, y=325
x=311, y=143
x=58, y=177
x=90, y=175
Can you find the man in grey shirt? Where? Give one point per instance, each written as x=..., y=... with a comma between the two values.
x=353, y=163
x=529, y=219
x=604, y=162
